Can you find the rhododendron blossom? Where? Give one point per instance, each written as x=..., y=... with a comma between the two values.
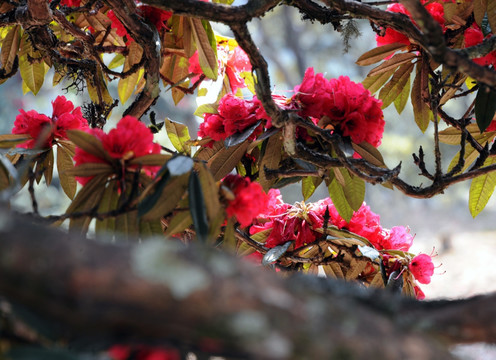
x=64, y=117
x=473, y=36
x=234, y=115
x=391, y=36
x=231, y=62
x=155, y=16
x=130, y=139
x=141, y=352
x=422, y=268
x=248, y=201
x=349, y=107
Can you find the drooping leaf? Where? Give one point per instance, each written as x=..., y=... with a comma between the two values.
x=179, y=222
x=32, y=71
x=178, y=135
x=375, y=82
x=275, y=253
x=338, y=198
x=64, y=164
x=210, y=190
x=421, y=112
x=370, y=153
x=179, y=165
x=379, y=53
x=10, y=47
x=491, y=14
x=151, y=160
x=308, y=186
x=485, y=105
x=89, y=143
x=403, y=97
x=238, y=138
x=354, y=189
x=8, y=141
x=206, y=109
x=197, y=207
x=223, y=161
x=48, y=164
x=90, y=169
x=109, y=202
x=394, y=87
x=481, y=189
x=206, y=54
x=164, y=199
x=392, y=64
x=271, y=157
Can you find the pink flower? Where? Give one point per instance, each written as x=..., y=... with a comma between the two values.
x=398, y=238
x=130, y=139
x=234, y=116
x=71, y=3
x=249, y=199
x=348, y=106
x=64, y=117
x=422, y=268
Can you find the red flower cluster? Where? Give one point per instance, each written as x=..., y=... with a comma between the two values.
x=156, y=16
x=300, y=222
x=232, y=62
x=64, y=117
x=234, y=115
x=130, y=139
x=349, y=107
x=249, y=199
x=71, y=3
x=125, y=352
x=391, y=36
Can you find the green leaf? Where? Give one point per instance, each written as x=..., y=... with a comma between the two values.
x=117, y=61
x=178, y=135
x=394, y=87
x=481, y=189
x=402, y=99
x=210, y=191
x=33, y=74
x=197, y=207
x=64, y=163
x=338, y=198
x=109, y=202
x=206, y=109
x=375, y=82
x=379, y=53
x=202, y=35
x=354, y=189
x=485, y=106
x=308, y=186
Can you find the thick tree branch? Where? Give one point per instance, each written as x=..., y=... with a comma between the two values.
x=200, y=298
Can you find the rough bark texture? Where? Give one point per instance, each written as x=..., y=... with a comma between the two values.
x=198, y=298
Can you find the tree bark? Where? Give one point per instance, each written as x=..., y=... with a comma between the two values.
x=197, y=298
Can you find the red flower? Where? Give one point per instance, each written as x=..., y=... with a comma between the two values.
x=71, y=3
x=234, y=116
x=474, y=36
x=392, y=36
x=419, y=294
x=64, y=117
x=130, y=139
x=156, y=16
x=141, y=352
x=349, y=107
x=422, y=268
x=232, y=62
x=249, y=199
